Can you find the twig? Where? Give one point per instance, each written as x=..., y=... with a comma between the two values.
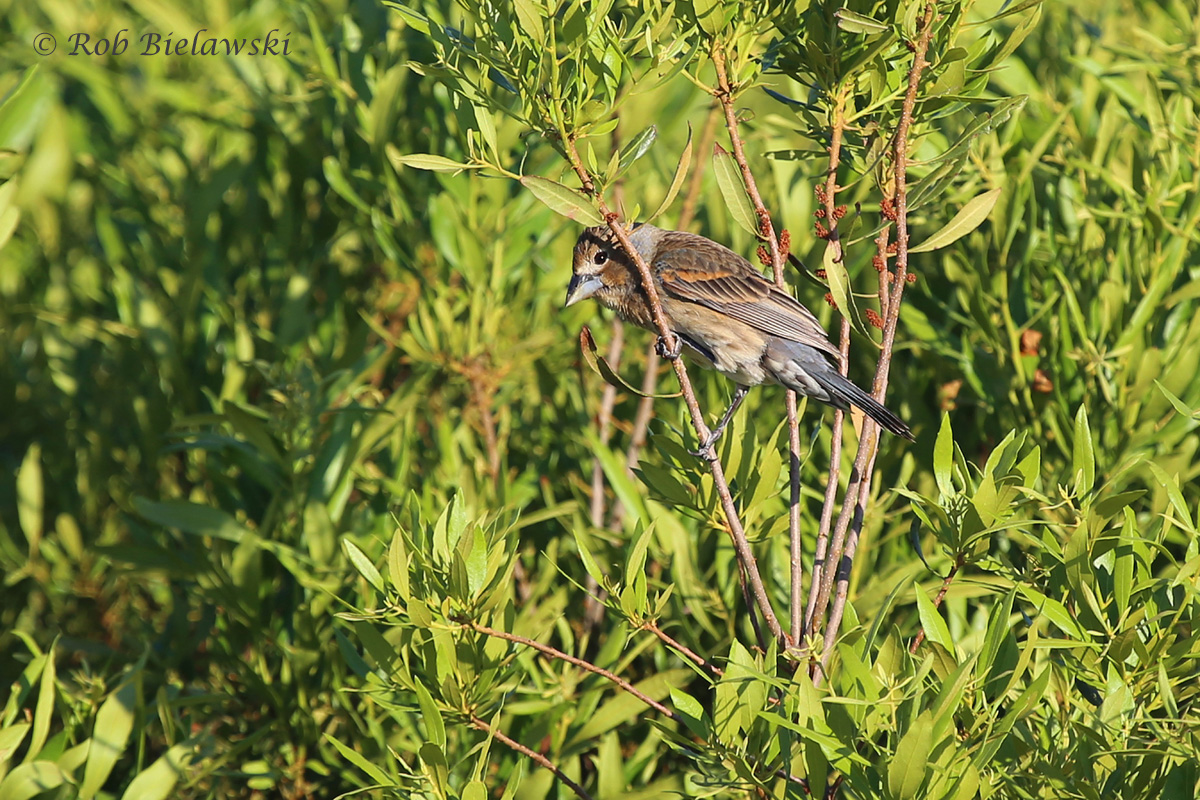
x=687, y=213
x=829, y=198
x=736, y=532
x=937, y=601
x=696, y=659
x=570, y=659
x=536, y=756
x=864, y=462
x=725, y=95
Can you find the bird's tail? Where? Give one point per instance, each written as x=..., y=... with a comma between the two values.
x=844, y=390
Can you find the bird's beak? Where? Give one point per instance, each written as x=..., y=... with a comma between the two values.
x=582, y=287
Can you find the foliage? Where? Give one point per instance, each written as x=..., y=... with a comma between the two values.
x=297, y=441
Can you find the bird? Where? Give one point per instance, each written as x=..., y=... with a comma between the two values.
x=724, y=311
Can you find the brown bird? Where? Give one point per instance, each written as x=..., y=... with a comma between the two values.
x=723, y=310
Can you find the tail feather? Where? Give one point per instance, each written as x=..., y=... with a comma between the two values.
x=842, y=388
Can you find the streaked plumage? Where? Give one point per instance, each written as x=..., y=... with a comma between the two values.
x=723, y=309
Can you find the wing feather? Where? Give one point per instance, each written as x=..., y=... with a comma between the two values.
x=713, y=276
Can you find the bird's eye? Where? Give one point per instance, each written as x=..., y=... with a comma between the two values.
x=600, y=258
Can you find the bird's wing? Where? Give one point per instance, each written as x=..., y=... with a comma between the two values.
x=709, y=276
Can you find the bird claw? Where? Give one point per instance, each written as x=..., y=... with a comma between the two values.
x=705, y=450
x=669, y=354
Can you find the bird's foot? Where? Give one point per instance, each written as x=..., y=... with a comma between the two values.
x=670, y=354
x=706, y=450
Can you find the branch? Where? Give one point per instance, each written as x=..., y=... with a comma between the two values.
x=687, y=213
x=828, y=197
x=725, y=95
x=736, y=532
x=864, y=462
x=698, y=660
x=570, y=659
x=536, y=756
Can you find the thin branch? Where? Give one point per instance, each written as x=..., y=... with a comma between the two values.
x=696, y=659
x=687, y=212
x=937, y=601
x=829, y=204
x=570, y=659
x=864, y=462
x=725, y=94
x=736, y=532
x=533, y=754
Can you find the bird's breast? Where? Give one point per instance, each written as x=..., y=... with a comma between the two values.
x=729, y=346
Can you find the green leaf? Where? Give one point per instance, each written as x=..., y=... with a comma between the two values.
x=30, y=498
x=691, y=711
x=932, y=622
x=709, y=15
x=11, y=737
x=681, y=169
x=839, y=287
x=424, y=161
x=157, y=782
x=435, y=727
x=625, y=707
x=43, y=715
x=637, y=147
x=477, y=563
x=943, y=458
x=587, y=346
x=32, y=779
x=356, y=758
x=562, y=200
x=1180, y=406
x=398, y=565
x=1083, y=457
x=906, y=768
x=23, y=109
x=1056, y=612
x=337, y=181
x=363, y=564
x=729, y=180
x=851, y=22
x=530, y=18
x=970, y=217
x=114, y=723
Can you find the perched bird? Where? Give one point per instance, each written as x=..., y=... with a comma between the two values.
x=723, y=310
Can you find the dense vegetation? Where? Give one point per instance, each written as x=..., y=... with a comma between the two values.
x=307, y=487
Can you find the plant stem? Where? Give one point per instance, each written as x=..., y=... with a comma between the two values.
x=725, y=95
x=482, y=725
x=864, y=462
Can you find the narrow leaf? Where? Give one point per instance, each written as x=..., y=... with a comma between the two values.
x=681, y=169
x=424, y=161
x=562, y=200
x=587, y=345
x=970, y=217
x=729, y=180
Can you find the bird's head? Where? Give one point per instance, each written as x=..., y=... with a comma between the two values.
x=601, y=269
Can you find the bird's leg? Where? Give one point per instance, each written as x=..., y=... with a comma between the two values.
x=706, y=445
x=670, y=354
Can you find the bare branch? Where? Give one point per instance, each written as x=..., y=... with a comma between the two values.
x=482, y=725
x=725, y=95
x=864, y=461
x=570, y=659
